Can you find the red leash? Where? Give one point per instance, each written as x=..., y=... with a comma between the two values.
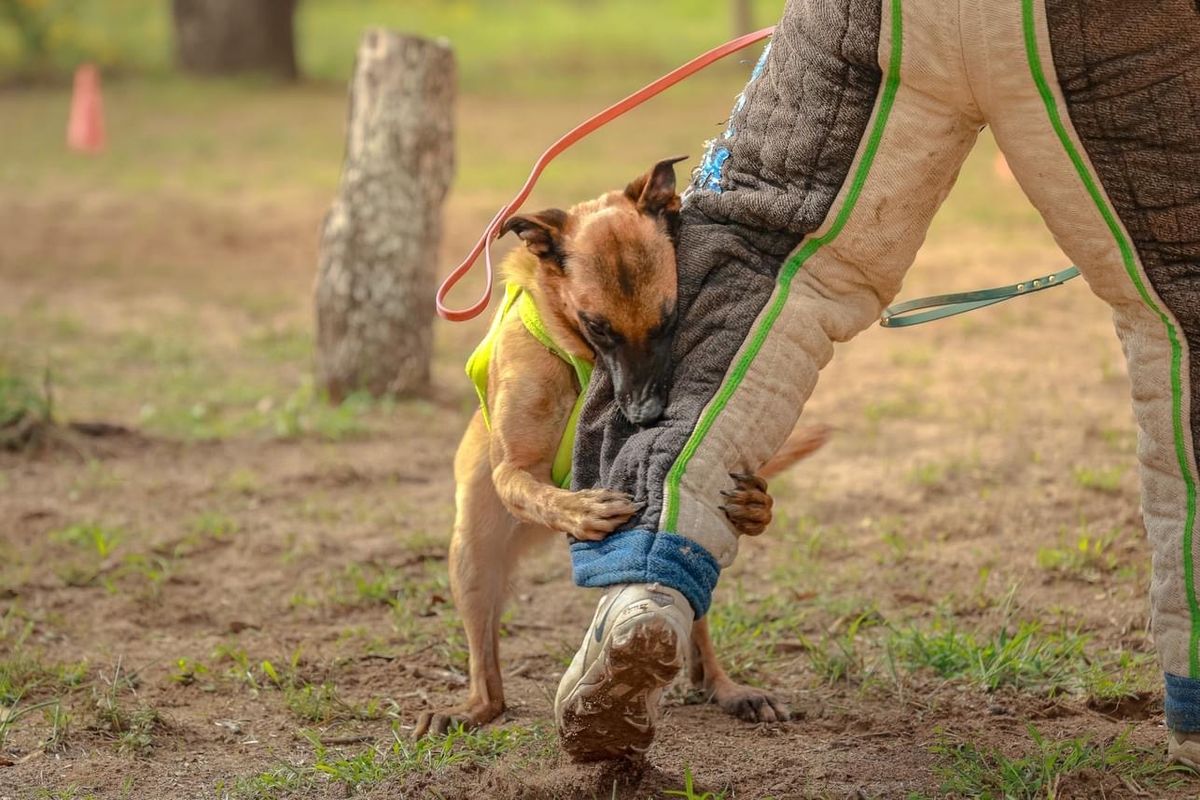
x=484, y=245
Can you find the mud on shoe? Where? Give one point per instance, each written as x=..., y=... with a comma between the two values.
x=608, y=700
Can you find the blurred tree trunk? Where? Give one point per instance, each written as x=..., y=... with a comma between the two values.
x=743, y=17
x=379, y=243
x=229, y=36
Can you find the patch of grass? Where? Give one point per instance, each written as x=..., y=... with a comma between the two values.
x=137, y=738
x=59, y=723
x=1100, y=479
x=931, y=474
x=243, y=481
x=1126, y=677
x=838, y=657
x=186, y=671
x=219, y=408
x=20, y=399
x=69, y=792
x=20, y=671
x=14, y=712
x=239, y=667
x=689, y=791
x=24, y=677
x=927, y=474
x=269, y=785
x=131, y=727
x=71, y=674
x=809, y=546
x=316, y=702
x=152, y=569
x=306, y=412
x=1023, y=656
x=91, y=537
x=368, y=584
x=396, y=760
x=1089, y=556
x=891, y=534
x=16, y=708
x=281, y=345
x=1048, y=767
x=214, y=525
x=310, y=701
x=421, y=612
x=746, y=629
x=163, y=351
x=198, y=401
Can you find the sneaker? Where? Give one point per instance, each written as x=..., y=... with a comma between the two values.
x=1184, y=748
x=607, y=702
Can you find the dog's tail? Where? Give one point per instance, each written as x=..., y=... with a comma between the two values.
x=804, y=441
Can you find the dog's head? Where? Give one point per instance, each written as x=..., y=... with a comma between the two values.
x=607, y=267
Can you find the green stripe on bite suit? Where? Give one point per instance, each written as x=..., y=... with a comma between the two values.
x=793, y=265
x=1127, y=258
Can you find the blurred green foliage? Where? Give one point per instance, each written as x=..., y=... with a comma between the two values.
x=32, y=24
x=41, y=38
x=514, y=42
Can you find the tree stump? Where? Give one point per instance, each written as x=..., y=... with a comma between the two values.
x=379, y=243
x=229, y=36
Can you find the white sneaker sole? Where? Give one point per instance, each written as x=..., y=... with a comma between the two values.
x=611, y=712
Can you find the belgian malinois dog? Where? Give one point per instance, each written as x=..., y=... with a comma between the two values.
x=601, y=277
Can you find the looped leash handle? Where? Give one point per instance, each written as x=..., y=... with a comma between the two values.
x=492, y=232
x=901, y=315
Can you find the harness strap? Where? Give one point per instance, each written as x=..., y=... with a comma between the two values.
x=947, y=305
x=564, y=457
x=480, y=361
x=479, y=365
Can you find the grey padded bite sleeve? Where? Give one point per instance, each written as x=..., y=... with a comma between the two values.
x=767, y=182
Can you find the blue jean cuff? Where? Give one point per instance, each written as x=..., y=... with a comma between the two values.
x=644, y=556
x=1182, y=703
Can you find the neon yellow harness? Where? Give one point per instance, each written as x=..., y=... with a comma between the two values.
x=480, y=362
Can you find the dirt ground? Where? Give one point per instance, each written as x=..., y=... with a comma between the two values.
x=227, y=602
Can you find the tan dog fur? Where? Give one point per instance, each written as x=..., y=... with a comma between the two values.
x=601, y=272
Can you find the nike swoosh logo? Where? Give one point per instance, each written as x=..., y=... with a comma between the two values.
x=599, y=632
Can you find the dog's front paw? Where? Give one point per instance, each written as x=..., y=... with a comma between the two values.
x=592, y=514
x=436, y=723
x=748, y=506
x=751, y=704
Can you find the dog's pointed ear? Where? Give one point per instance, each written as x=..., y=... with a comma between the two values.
x=654, y=192
x=542, y=232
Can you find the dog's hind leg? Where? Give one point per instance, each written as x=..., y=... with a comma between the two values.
x=744, y=702
x=482, y=555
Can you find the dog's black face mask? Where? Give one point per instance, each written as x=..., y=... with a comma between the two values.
x=639, y=370
x=612, y=268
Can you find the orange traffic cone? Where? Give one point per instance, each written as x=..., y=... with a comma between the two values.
x=85, y=130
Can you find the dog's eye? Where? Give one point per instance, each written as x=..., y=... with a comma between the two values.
x=598, y=330
x=667, y=326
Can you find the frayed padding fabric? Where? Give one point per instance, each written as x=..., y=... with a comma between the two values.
x=1182, y=704
x=708, y=174
x=641, y=556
